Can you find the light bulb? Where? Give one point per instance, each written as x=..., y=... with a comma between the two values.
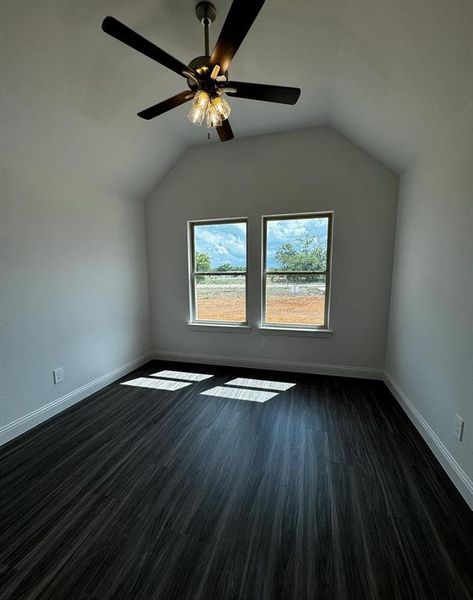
x=199, y=108
x=201, y=99
x=213, y=119
x=222, y=107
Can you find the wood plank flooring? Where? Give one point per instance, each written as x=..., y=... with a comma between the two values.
x=325, y=491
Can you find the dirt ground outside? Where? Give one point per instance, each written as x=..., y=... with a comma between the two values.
x=304, y=310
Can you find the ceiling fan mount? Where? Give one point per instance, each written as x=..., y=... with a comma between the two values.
x=207, y=75
x=205, y=11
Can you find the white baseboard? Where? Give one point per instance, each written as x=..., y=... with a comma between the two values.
x=272, y=365
x=450, y=465
x=19, y=426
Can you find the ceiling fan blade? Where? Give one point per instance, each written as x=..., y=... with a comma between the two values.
x=260, y=91
x=225, y=132
x=237, y=24
x=129, y=37
x=165, y=105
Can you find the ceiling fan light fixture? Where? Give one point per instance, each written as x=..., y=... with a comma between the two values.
x=213, y=119
x=199, y=108
x=211, y=109
x=222, y=107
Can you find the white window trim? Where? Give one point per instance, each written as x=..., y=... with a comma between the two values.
x=219, y=327
x=296, y=331
x=324, y=330
x=193, y=321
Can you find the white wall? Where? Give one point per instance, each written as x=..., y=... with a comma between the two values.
x=73, y=286
x=309, y=170
x=430, y=347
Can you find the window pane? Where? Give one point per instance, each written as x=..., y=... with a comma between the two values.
x=220, y=247
x=297, y=244
x=295, y=299
x=220, y=298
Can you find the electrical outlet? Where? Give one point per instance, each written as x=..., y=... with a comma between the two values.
x=58, y=375
x=458, y=427
x=264, y=344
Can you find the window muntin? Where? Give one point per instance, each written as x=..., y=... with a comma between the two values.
x=296, y=270
x=218, y=271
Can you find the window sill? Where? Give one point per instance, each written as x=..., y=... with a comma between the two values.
x=220, y=327
x=296, y=331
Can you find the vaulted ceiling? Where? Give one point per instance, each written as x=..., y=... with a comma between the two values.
x=383, y=72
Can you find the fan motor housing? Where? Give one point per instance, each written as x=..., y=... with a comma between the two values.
x=201, y=65
x=200, y=62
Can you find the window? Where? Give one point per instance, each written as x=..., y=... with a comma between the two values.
x=218, y=251
x=296, y=270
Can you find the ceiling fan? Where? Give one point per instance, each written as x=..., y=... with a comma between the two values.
x=207, y=76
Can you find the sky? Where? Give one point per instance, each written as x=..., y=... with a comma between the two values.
x=226, y=243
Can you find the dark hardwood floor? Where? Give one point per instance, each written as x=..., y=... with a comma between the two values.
x=325, y=491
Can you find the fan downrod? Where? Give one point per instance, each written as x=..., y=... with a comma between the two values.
x=206, y=13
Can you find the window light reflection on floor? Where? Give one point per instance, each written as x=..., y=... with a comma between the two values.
x=181, y=375
x=239, y=394
x=158, y=384
x=279, y=386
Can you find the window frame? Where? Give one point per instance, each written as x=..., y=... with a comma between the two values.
x=328, y=272
x=193, y=273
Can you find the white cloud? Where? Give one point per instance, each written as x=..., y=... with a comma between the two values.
x=290, y=229
x=222, y=242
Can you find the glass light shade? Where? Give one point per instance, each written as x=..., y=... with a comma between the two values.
x=213, y=119
x=199, y=108
x=222, y=107
x=213, y=110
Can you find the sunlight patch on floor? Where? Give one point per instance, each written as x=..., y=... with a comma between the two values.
x=239, y=394
x=182, y=375
x=279, y=386
x=157, y=384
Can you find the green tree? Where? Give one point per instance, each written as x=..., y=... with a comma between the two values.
x=228, y=267
x=307, y=254
x=202, y=261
